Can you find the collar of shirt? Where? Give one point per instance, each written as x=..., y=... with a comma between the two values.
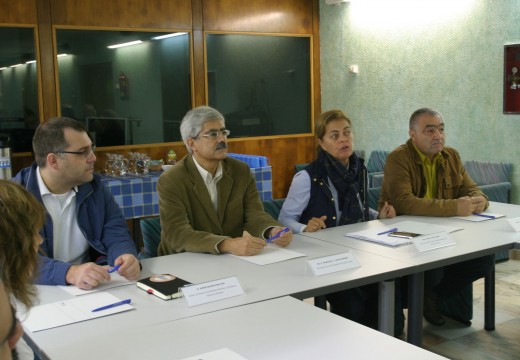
x=210, y=181
x=44, y=190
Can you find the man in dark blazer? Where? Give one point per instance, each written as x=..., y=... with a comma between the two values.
x=208, y=202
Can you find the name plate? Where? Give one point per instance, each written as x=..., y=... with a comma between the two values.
x=333, y=263
x=215, y=290
x=514, y=223
x=433, y=241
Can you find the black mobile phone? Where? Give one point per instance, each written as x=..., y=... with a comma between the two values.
x=403, y=234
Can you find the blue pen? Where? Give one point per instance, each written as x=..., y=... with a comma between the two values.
x=277, y=235
x=111, y=270
x=127, y=301
x=486, y=216
x=387, y=231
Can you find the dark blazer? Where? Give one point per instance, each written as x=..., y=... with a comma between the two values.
x=189, y=221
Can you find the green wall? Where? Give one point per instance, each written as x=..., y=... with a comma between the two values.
x=448, y=55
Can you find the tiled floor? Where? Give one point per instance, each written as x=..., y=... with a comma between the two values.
x=475, y=343
x=457, y=342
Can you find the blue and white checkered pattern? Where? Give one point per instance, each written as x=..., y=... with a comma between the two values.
x=137, y=195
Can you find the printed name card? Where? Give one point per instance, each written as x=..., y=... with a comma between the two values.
x=433, y=241
x=329, y=264
x=514, y=223
x=215, y=290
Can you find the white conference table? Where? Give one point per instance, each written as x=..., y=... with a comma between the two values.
x=259, y=282
x=283, y=328
x=476, y=239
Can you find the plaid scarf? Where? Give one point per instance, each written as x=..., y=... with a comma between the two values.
x=347, y=183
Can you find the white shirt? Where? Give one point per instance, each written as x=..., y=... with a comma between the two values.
x=210, y=181
x=69, y=243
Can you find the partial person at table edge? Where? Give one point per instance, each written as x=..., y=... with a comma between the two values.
x=208, y=202
x=85, y=232
x=20, y=222
x=332, y=191
x=426, y=178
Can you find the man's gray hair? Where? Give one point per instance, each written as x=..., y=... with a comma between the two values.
x=194, y=120
x=417, y=113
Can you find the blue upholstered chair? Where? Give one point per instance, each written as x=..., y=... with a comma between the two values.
x=376, y=166
x=151, y=230
x=273, y=207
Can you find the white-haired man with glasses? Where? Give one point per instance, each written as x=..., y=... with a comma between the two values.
x=85, y=229
x=207, y=200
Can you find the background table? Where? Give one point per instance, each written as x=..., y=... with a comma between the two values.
x=137, y=195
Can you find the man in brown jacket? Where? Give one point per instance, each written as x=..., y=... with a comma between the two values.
x=207, y=199
x=425, y=178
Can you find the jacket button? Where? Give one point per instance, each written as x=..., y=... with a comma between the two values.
x=333, y=218
x=332, y=199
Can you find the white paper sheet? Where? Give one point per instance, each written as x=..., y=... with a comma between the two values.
x=271, y=254
x=407, y=226
x=115, y=281
x=70, y=311
x=482, y=217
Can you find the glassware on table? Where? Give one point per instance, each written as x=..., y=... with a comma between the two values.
x=120, y=166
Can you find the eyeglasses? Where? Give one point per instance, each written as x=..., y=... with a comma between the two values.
x=85, y=153
x=213, y=134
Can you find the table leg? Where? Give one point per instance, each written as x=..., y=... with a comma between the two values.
x=386, y=306
x=489, y=301
x=415, y=308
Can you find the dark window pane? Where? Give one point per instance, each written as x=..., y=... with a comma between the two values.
x=133, y=94
x=18, y=87
x=260, y=83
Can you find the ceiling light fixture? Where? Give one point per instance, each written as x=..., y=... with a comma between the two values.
x=124, y=44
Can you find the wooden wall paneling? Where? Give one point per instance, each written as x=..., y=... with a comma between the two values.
x=18, y=12
x=199, y=57
x=283, y=153
x=282, y=16
x=123, y=13
x=47, y=61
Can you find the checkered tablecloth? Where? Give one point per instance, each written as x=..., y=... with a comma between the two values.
x=137, y=195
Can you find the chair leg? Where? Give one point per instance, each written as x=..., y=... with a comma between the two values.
x=321, y=302
x=489, y=301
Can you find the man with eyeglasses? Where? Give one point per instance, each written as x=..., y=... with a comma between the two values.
x=425, y=178
x=208, y=202
x=85, y=228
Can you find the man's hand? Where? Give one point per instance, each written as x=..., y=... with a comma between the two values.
x=86, y=276
x=242, y=246
x=130, y=268
x=284, y=239
x=465, y=206
x=316, y=224
x=387, y=211
x=479, y=204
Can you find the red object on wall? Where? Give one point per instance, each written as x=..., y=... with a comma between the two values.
x=512, y=79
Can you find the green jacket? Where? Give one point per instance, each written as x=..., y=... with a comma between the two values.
x=404, y=183
x=189, y=221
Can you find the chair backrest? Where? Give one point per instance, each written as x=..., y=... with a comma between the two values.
x=376, y=161
x=151, y=230
x=486, y=173
x=273, y=207
x=373, y=197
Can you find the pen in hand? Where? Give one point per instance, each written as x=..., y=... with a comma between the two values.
x=387, y=231
x=119, y=303
x=111, y=270
x=486, y=216
x=270, y=240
